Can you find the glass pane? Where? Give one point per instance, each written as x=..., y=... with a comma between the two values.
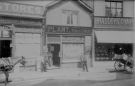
x=68, y=19
x=119, y=12
x=107, y=4
x=113, y=12
x=113, y=4
x=71, y=21
x=0, y=33
x=6, y=33
x=75, y=19
x=119, y=5
x=108, y=11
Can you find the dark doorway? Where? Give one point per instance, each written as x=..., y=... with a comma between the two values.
x=5, y=49
x=55, y=49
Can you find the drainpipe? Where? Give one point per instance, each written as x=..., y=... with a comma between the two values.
x=134, y=50
x=92, y=52
x=134, y=38
x=44, y=39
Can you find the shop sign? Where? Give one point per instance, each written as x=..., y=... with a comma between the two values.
x=68, y=29
x=20, y=9
x=20, y=22
x=104, y=21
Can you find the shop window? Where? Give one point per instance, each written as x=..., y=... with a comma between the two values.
x=113, y=8
x=70, y=17
x=104, y=52
x=6, y=33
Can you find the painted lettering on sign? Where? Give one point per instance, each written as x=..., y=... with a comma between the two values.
x=68, y=29
x=113, y=21
x=20, y=9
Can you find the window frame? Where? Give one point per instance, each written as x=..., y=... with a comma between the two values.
x=116, y=8
x=69, y=17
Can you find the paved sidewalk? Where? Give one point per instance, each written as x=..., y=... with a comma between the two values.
x=75, y=74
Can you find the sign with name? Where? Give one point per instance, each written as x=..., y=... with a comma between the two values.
x=113, y=22
x=20, y=9
x=24, y=22
x=68, y=29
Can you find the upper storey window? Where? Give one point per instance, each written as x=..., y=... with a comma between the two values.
x=70, y=17
x=114, y=8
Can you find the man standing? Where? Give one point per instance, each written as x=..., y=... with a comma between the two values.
x=84, y=63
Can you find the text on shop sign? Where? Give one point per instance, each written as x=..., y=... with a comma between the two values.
x=68, y=29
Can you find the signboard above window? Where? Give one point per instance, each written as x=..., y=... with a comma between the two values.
x=20, y=9
x=68, y=29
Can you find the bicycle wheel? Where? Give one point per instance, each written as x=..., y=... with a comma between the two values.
x=118, y=66
x=129, y=67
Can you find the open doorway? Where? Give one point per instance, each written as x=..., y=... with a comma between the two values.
x=5, y=49
x=55, y=49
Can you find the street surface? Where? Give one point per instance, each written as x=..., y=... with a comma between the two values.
x=121, y=80
x=58, y=82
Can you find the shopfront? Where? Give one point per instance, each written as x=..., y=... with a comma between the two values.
x=68, y=32
x=108, y=43
x=67, y=46
x=20, y=32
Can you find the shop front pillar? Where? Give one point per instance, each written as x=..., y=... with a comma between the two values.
x=93, y=49
x=134, y=54
x=134, y=51
x=134, y=43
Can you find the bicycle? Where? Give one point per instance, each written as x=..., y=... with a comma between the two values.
x=123, y=65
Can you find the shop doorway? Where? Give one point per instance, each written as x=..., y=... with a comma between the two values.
x=55, y=49
x=5, y=49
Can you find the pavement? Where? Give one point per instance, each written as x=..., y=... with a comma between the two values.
x=94, y=74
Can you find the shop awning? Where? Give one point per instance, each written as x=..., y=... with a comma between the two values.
x=115, y=36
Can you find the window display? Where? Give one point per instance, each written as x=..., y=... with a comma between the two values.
x=104, y=52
